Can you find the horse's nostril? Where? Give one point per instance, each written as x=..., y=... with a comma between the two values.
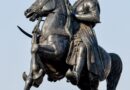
x=27, y=11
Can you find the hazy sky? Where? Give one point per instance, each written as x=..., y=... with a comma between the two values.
x=113, y=35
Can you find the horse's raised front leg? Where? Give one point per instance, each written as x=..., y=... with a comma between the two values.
x=54, y=47
x=37, y=73
x=35, y=76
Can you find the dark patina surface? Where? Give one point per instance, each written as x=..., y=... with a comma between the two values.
x=66, y=46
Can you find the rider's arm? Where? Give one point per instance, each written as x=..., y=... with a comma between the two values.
x=49, y=6
x=91, y=12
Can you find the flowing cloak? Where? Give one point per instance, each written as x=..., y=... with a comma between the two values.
x=98, y=60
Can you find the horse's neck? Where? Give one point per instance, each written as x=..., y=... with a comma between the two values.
x=60, y=7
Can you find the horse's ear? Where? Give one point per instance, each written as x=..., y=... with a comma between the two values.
x=24, y=76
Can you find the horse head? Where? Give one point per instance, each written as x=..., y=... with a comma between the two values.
x=35, y=10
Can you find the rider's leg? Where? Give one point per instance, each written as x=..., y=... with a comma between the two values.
x=54, y=46
x=74, y=76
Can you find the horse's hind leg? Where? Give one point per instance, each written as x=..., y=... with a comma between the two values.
x=85, y=82
x=85, y=86
x=115, y=73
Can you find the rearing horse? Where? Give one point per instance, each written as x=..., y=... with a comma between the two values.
x=50, y=47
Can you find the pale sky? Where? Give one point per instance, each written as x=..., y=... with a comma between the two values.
x=113, y=35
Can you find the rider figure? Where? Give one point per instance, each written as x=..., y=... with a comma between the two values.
x=87, y=14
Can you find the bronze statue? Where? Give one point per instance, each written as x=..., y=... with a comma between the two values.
x=66, y=46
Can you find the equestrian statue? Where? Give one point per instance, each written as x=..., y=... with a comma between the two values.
x=65, y=46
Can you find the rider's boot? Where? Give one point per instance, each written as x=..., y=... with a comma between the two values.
x=74, y=75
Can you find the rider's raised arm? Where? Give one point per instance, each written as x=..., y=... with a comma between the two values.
x=91, y=12
x=49, y=6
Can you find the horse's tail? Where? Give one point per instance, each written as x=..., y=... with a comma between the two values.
x=115, y=73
